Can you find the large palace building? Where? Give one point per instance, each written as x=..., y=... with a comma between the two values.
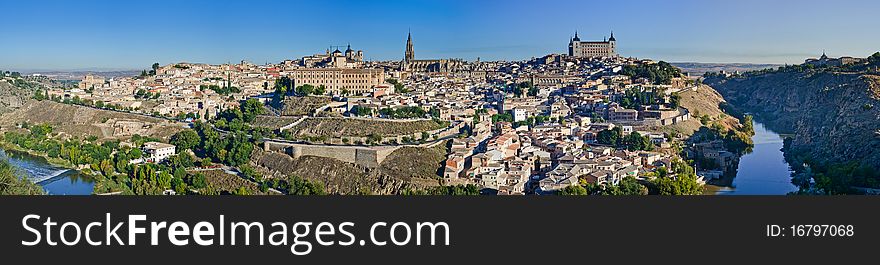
x=586, y=49
x=339, y=80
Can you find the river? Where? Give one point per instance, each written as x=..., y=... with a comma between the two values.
x=763, y=171
x=54, y=180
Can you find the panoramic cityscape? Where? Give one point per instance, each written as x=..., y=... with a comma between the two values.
x=591, y=114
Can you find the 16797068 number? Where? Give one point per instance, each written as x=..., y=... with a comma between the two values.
x=822, y=230
x=810, y=230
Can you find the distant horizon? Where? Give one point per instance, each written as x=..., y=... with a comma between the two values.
x=53, y=35
x=105, y=70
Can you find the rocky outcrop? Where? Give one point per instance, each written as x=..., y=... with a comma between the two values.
x=834, y=116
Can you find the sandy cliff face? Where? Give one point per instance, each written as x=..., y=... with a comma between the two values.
x=835, y=117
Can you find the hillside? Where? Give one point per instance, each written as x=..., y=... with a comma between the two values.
x=338, y=127
x=704, y=103
x=407, y=167
x=79, y=121
x=17, y=91
x=835, y=116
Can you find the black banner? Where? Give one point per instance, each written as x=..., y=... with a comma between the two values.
x=493, y=230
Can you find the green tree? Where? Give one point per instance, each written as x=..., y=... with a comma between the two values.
x=239, y=150
x=684, y=182
x=305, y=90
x=300, y=186
x=10, y=184
x=674, y=100
x=610, y=137
x=186, y=139
x=628, y=186
x=573, y=190
x=178, y=185
x=251, y=108
x=197, y=181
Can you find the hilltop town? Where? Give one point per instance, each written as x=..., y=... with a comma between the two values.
x=588, y=121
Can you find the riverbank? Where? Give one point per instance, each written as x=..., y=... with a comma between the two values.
x=58, y=162
x=52, y=179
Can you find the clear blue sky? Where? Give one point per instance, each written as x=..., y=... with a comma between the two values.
x=134, y=34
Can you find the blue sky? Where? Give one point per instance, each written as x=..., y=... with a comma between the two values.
x=133, y=34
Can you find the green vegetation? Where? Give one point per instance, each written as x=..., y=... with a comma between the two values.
x=282, y=89
x=456, y=190
x=828, y=177
x=518, y=89
x=10, y=184
x=628, y=186
x=505, y=117
x=109, y=162
x=674, y=100
x=251, y=108
x=534, y=120
x=680, y=180
x=735, y=140
x=185, y=140
x=636, y=97
x=632, y=142
x=403, y=112
x=660, y=73
x=233, y=149
x=398, y=87
x=144, y=94
x=361, y=111
x=573, y=190
x=73, y=151
x=843, y=178
x=225, y=90
x=307, y=89
x=10, y=74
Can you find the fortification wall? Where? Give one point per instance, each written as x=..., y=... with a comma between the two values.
x=365, y=156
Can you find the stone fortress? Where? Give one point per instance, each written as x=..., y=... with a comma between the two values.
x=586, y=49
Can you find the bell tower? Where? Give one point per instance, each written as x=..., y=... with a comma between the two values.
x=410, y=53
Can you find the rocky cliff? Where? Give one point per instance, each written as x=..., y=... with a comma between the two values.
x=833, y=115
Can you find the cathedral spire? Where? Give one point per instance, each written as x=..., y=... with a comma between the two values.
x=410, y=52
x=612, y=36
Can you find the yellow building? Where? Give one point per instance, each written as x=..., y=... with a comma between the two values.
x=339, y=80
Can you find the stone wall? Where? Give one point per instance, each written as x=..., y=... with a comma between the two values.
x=365, y=156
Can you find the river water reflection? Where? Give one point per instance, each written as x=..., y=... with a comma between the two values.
x=763, y=171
